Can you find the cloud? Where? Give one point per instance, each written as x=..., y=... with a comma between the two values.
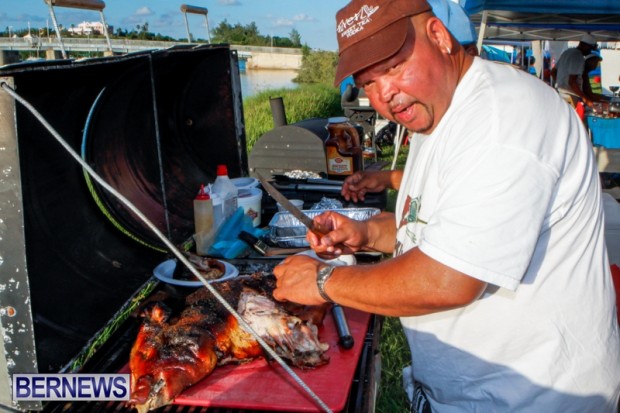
x=282, y=22
x=138, y=17
x=143, y=11
x=229, y=2
x=303, y=18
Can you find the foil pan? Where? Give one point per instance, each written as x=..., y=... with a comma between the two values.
x=288, y=232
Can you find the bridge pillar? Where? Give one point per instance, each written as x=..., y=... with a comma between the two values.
x=8, y=56
x=51, y=54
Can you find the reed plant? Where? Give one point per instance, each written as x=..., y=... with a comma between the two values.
x=305, y=102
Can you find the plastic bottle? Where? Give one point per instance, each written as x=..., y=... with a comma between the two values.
x=203, y=222
x=343, y=152
x=227, y=193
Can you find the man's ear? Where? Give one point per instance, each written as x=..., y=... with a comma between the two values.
x=439, y=35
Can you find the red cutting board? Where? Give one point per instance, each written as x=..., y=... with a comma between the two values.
x=262, y=386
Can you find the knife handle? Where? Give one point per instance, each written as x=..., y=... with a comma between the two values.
x=345, y=339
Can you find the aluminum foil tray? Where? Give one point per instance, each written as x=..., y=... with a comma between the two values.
x=288, y=232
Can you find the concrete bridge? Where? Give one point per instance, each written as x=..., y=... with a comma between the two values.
x=255, y=57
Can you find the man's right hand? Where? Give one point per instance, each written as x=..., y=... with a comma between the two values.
x=357, y=185
x=345, y=236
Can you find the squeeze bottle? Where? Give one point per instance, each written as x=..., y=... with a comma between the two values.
x=228, y=194
x=203, y=221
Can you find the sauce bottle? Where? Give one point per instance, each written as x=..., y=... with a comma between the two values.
x=343, y=152
x=203, y=221
x=227, y=193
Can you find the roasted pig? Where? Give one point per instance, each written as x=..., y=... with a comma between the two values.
x=170, y=355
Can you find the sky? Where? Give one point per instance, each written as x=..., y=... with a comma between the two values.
x=313, y=19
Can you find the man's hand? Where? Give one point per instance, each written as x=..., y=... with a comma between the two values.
x=357, y=185
x=296, y=280
x=345, y=235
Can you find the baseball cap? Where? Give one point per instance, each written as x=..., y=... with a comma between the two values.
x=370, y=31
x=589, y=39
x=455, y=19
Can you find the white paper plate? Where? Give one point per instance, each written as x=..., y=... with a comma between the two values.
x=165, y=270
x=343, y=260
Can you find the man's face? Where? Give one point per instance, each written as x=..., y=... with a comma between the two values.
x=414, y=87
x=586, y=48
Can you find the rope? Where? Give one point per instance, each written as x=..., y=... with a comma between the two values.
x=166, y=241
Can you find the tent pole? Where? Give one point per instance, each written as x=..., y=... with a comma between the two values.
x=483, y=28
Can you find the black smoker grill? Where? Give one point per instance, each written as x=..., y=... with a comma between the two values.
x=74, y=262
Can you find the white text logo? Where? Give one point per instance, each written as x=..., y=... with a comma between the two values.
x=354, y=24
x=71, y=387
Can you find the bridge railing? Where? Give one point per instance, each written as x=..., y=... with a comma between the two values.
x=95, y=44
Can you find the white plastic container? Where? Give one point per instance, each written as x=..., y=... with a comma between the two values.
x=250, y=199
x=245, y=182
x=227, y=192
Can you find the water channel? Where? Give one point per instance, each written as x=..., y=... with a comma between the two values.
x=256, y=81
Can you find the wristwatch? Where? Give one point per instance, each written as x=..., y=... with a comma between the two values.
x=322, y=275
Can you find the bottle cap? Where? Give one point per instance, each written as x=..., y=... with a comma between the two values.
x=202, y=194
x=222, y=170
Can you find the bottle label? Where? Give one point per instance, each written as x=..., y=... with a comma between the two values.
x=338, y=164
x=230, y=206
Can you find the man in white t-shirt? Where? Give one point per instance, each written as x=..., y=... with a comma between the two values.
x=500, y=273
x=569, y=70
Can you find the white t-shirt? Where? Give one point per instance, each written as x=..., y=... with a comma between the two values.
x=506, y=190
x=571, y=62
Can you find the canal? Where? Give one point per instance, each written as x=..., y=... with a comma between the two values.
x=256, y=81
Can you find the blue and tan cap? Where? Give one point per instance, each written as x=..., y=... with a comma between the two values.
x=370, y=31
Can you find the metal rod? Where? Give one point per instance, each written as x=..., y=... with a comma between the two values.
x=189, y=35
x=166, y=241
x=62, y=46
x=105, y=31
x=483, y=29
x=208, y=30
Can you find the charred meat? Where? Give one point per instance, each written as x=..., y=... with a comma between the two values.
x=170, y=355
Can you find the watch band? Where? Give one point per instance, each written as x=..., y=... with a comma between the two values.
x=323, y=274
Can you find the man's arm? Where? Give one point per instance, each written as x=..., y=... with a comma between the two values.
x=576, y=89
x=408, y=285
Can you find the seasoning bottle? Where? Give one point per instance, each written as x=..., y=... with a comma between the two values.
x=227, y=193
x=203, y=221
x=343, y=152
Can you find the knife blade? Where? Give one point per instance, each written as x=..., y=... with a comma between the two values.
x=286, y=204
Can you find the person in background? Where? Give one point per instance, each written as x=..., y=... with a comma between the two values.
x=499, y=273
x=568, y=71
x=591, y=62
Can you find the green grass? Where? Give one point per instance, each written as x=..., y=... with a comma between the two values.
x=395, y=354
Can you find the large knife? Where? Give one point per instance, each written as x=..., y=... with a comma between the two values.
x=286, y=204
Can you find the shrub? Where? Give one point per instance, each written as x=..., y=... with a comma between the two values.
x=317, y=67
